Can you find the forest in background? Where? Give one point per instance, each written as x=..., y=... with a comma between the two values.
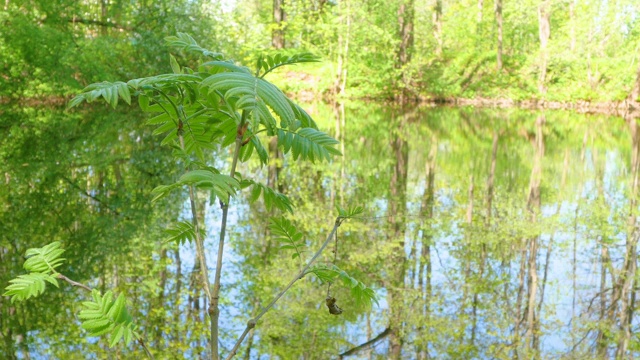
x=568, y=51
x=84, y=177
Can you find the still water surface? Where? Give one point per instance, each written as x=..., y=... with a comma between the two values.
x=486, y=234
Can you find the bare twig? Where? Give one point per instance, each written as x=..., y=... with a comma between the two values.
x=93, y=197
x=367, y=344
x=76, y=20
x=252, y=323
x=74, y=283
x=146, y=349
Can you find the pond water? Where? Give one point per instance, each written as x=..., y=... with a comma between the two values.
x=486, y=233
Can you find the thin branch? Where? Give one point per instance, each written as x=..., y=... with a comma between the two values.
x=75, y=20
x=200, y=252
x=252, y=323
x=366, y=345
x=214, y=300
x=93, y=197
x=146, y=349
x=74, y=283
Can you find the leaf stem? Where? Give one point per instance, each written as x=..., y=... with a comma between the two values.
x=252, y=323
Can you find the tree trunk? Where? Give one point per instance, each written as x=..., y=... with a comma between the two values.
x=8, y=350
x=544, y=30
x=634, y=96
x=104, y=16
x=405, y=33
x=480, y=6
x=572, y=20
x=498, y=11
x=340, y=83
x=279, y=16
x=437, y=25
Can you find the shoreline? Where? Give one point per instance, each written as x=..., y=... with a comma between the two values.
x=624, y=108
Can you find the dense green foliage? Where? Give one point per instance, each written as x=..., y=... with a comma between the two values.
x=372, y=49
x=467, y=261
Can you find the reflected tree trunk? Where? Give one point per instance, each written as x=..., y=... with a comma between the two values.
x=483, y=254
x=424, y=266
x=605, y=263
x=630, y=265
x=467, y=264
x=177, y=294
x=533, y=205
x=8, y=350
x=396, y=208
x=160, y=301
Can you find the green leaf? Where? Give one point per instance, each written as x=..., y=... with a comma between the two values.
x=362, y=295
x=240, y=84
x=221, y=66
x=187, y=43
x=262, y=152
x=29, y=285
x=270, y=197
x=117, y=334
x=75, y=101
x=181, y=232
x=109, y=91
x=271, y=63
x=174, y=65
x=350, y=212
x=143, y=102
x=107, y=316
x=223, y=186
x=44, y=259
x=284, y=231
x=308, y=144
x=124, y=93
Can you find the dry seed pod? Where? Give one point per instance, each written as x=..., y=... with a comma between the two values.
x=333, y=308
